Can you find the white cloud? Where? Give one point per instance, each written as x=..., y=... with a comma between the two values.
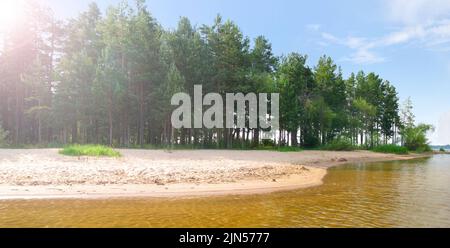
x=405, y=35
x=433, y=36
x=422, y=23
x=330, y=37
x=364, y=56
x=313, y=27
x=412, y=12
x=362, y=53
x=443, y=129
x=425, y=19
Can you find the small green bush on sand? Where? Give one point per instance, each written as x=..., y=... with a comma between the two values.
x=391, y=149
x=89, y=150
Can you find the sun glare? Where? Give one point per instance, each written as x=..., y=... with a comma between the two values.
x=10, y=11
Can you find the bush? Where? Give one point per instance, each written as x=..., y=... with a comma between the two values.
x=391, y=149
x=268, y=142
x=424, y=148
x=442, y=150
x=89, y=150
x=339, y=145
x=416, y=138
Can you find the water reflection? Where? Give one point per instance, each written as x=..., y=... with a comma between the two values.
x=394, y=194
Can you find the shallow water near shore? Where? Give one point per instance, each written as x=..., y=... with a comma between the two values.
x=412, y=193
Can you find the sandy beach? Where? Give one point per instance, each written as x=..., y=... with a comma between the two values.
x=43, y=173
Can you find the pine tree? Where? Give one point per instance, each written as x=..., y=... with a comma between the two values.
x=109, y=79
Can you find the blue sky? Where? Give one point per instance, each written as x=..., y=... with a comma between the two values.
x=404, y=41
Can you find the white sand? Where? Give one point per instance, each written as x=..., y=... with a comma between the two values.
x=43, y=173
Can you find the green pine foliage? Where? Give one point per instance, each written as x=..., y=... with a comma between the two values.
x=107, y=78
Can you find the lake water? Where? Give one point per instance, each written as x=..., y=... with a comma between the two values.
x=389, y=194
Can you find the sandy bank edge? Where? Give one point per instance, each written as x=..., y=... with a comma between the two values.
x=315, y=176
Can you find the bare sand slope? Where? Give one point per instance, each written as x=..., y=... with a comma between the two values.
x=43, y=173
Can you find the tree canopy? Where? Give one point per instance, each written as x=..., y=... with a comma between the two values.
x=108, y=79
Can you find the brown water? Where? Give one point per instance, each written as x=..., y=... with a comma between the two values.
x=394, y=194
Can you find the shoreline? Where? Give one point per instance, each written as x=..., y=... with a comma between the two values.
x=44, y=174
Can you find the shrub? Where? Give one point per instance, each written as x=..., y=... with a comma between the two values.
x=442, y=150
x=416, y=138
x=391, y=149
x=268, y=142
x=424, y=148
x=89, y=150
x=339, y=145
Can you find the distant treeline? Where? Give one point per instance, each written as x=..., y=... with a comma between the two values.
x=447, y=147
x=108, y=79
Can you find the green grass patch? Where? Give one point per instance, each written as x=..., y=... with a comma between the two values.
x=277, y=148
x=339, y=145
x=289, y=149
x=391, y=149
x=237, y=146
x=89, y=150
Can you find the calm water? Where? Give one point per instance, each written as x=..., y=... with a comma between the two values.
x=395, y=194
